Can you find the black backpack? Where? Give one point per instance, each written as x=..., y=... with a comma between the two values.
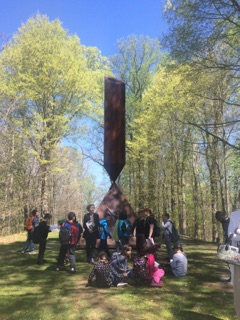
x=174, y=235
x=36, y=236
x=65, y=234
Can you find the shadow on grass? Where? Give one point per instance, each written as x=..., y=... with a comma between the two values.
x=30, y=291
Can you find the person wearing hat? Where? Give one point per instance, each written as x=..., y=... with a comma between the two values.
x=179, y=262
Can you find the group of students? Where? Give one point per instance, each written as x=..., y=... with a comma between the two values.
x=145, y=269
x=114, y=270
x=110, y=269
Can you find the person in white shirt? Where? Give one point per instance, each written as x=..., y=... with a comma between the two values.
x=234, y=229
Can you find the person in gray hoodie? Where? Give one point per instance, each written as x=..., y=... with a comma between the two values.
x=179, y=262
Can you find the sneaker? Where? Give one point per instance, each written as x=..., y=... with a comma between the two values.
x=72, y=270
x=59, y=269
x=23, y=252
x=32, y=252
x=122, y=284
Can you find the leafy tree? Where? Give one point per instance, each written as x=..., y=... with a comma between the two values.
x=54, y=81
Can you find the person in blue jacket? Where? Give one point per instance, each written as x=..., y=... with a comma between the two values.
x=125, y=229
x=104, y=234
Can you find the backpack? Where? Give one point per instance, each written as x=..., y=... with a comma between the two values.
x=36, y=236
x=65, y=233
x=140, y=268
x=126, y=229
x=174, y=235
x=28, y=223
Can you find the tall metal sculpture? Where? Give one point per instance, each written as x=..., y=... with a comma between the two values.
x=114, y=127
x=114, y=146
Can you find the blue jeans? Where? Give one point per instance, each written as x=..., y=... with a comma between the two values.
x=29, y=245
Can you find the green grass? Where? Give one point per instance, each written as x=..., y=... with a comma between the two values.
x=32, y=292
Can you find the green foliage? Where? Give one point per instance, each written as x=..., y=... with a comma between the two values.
x=50, y=71
x=48, y=82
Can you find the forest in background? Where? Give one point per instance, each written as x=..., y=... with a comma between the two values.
x=182, y=119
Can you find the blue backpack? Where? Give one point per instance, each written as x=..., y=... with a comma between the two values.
x=125, y=229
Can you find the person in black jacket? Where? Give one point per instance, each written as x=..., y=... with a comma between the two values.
x=91, y=232
x=43, y=230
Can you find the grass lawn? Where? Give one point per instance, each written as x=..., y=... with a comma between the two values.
x=32, y=292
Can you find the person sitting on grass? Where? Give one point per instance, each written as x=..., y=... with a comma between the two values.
x=179, y=262
x=154, y=273
x=119, y=260
x=104, y=274
x=146, y=271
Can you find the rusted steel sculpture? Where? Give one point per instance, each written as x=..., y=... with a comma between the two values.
x=114, y=153
x=114, y=127
x=113, y=202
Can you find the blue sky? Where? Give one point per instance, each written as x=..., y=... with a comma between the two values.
x=96, y=22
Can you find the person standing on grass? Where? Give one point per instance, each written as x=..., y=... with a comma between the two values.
x=167, y=230
x=139, y=231
x=44, y=229
x=149, y=225
x=70, y=248
x=80, y=229
x=125, y=229
x=234, y=232
x=115, y=236
x=103, y=247
x=224, y=220
x=91, y=233
x=31, y=223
